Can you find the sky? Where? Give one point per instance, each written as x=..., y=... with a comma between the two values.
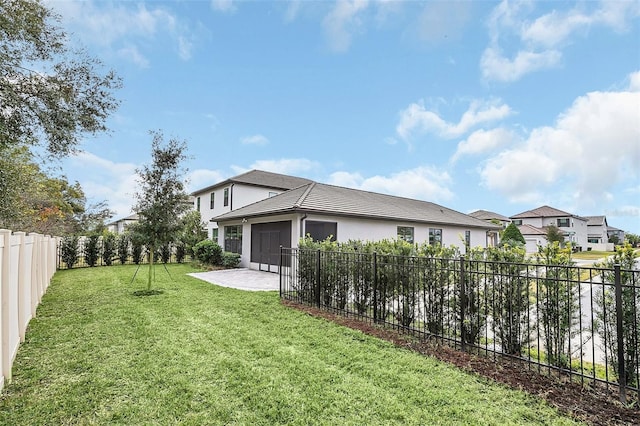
x=502, y=106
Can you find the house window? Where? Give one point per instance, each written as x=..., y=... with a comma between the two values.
x=214, y=234
x=226, y=197
x=563, y=222
x=435, y=236
x=198, y=203
x=272, y=194
x=211, y=200
x=233, y=239
x=405, y=233
x=593, y=240
x=467, y=239
x=517, y=222
x=320, y=231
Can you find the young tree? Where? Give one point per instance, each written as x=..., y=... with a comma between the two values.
x=161, y=199
x=192, y=230
x=49, y=91
x=554, y=234
x=512, y=236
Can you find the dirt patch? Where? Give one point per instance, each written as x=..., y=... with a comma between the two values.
x=595, y=406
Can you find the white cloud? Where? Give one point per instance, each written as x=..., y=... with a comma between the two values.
x=254, y=140
x=342, y=22
x=631, y=211
x=226, y=6
x=441, y=20
x=424, y=183
x=539, y=41
x=417, y=119
x=293, y=8
x=201, y=178
x=119, y=26
x=292, y=166
x=592, y=146
x=483, y=141
x=103, y=179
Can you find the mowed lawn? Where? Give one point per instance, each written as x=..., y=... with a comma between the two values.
x=202, y=354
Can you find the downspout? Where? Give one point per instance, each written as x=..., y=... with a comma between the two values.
x=231, y=196
x=302, y=225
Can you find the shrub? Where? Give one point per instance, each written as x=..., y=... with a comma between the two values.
x=108, y=248
x=136, y=251
x=123, y=248
x=69, y=251
x=230, y=260
x=165, y=253
x=181, y=252
x=512, y=236
x=92, y=250
x=208, y=252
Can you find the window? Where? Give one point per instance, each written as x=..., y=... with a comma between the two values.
x=563, y=223
x=214, y=234
x=272, y=194
x=467, y=239
x=320, y=231
x=198, y=203
x=435, y=236
x=226, y=197
x=517, y=222
x=405, y=233
x=211, y=201
x=593, y=240
x=233, y=239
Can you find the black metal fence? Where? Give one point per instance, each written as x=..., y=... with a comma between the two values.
x=580, y=322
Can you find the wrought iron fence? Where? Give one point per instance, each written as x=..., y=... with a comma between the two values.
x=580, y=322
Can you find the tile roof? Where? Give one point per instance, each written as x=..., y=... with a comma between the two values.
x=329, y=199
x=543, y=211
x=531, y=230
x=596, y=220
x=487, y=215
x=260, y=178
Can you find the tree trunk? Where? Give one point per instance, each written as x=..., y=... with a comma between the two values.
x=151, y=252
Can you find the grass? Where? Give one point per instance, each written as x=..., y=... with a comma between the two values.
x=591, y=255
x=202, y=354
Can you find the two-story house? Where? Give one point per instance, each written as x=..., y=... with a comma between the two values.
x=573, y=227
x=239, y=191
x=597, y=233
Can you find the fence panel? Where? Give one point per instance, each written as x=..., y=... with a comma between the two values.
x=27, y=264
x=579, y=322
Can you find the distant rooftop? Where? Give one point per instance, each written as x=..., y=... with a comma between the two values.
x=260, y=178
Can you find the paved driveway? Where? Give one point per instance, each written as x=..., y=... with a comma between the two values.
x=241, y=279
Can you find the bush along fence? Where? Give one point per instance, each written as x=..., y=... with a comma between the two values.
x=580, y=322
x=27, y=263
x=97, y=250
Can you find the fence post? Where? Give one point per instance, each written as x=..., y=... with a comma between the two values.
x=280, y=270
x=622, y=380
x=318, y=279
x=375, y=287
x=463, y=298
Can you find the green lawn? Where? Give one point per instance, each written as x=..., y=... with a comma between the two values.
x=202, y=354
x=591, y=254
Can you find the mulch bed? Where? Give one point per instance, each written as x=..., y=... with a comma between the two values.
x=595, y=406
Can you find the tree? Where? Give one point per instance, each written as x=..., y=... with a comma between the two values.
x=161, y=199
x=49, y=91
x=193, y=230
x=554, y=234
x=632, y=239
x=512, y=236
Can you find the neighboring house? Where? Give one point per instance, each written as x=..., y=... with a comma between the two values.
x=533, y=237
x=618, y=233
x=492, y=217
x=257, y=231
x=572, y=226
x=597, y=235
x=120, y=225
x=239, y=191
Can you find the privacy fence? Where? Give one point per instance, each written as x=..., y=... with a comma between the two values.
x=582, y=323
x=27, y=263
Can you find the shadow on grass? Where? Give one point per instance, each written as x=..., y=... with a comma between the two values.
x=147, y=292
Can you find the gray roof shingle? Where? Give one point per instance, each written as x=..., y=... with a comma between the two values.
x=329, y=199
x=260, y=178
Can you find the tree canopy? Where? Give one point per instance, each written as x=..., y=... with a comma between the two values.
x=512, y=235
x=51, y=93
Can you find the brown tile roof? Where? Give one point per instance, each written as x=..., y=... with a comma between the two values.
x=544, y=211
x=487, y=215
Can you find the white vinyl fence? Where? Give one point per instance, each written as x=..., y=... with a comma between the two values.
x=27, y=263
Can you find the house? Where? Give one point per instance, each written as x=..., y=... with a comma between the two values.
x=597, y=235
x=258, y=230
x=492, y=217
x=120, y=225
x=239, y=191
x=572, y=226
x=533, y=237
x=615, y=234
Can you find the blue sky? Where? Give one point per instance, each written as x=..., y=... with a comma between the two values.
x=502, y=106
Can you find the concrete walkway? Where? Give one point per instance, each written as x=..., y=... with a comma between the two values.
x=241, y=279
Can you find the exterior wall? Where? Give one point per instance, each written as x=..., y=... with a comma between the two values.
x=577, y=230
x=533, y=241
x=240, y=195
